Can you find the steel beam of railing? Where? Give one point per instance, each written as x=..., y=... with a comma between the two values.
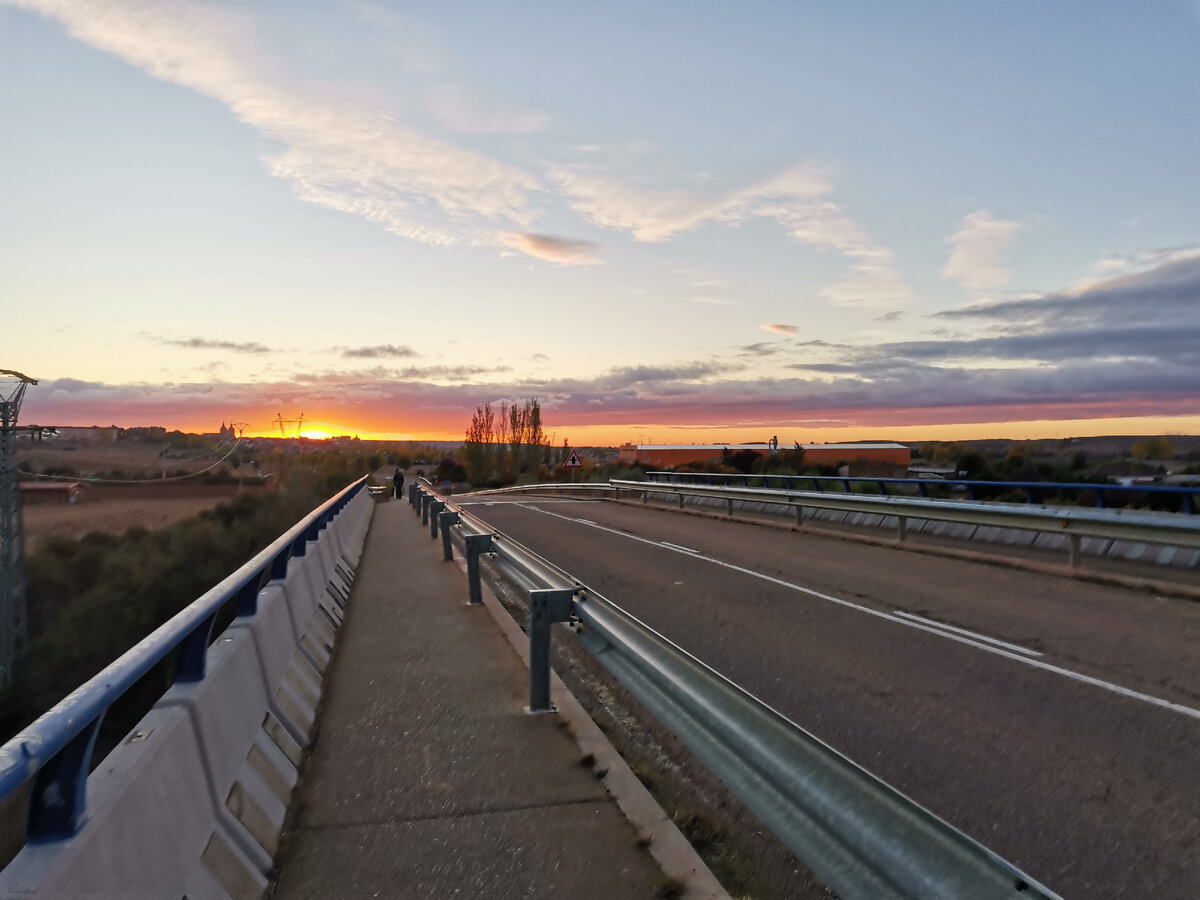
x=858, y=835
x=56, y=749
x=1162, y=528
x=1188, y=496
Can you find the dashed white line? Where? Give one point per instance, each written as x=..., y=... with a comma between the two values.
x=974, y=635
x=678, y=547
x=909, y=623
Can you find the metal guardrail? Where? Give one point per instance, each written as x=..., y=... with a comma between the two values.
x=56, y=749
x=1075, y=523
x=1188, y=497
x=860, y=836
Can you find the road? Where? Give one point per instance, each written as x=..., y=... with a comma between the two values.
x=1055, y=721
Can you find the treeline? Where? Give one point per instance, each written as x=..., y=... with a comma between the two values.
x=501, y=446
x=90, y=600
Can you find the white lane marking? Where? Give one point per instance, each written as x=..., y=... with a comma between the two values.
x=998, y=651
x=678, y=547
x=974, y=635
x=518, y=501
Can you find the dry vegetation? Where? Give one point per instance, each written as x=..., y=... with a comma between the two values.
x=113, y=509
x=112, y=515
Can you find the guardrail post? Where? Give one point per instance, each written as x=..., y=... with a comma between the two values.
x=412, y=494
x=447, y=518
x=1074, y=551
x=545, y=607
x=476, y=544
x=435, y=510
x=901, y=528
x=729, y=507
x=426, y=500
x=681, y=500
x=799, y=515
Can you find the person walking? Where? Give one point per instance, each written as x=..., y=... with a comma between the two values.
x=397, y=484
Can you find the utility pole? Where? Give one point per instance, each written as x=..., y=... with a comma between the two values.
x=14, y=636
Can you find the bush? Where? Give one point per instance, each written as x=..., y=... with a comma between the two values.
x=91, y=600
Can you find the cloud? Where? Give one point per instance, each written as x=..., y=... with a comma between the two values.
x=377, y=378
x=712, y=301
x=554, y=249
x=380, y=351
x=789, y=330
x=701, y=279
x=460, y=110
x=338, y=151
x=797, y=199
x=764, y=349
x=875, y=387
x=1128, y=345
x=206, y=344
x=978, y=243
x=1166, y=291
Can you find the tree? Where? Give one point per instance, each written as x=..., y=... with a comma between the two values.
x=477, y=450
x=744, y=460
x=499, y=451
x=1154, y=448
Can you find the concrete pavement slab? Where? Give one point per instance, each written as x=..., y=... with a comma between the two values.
x=427, y=779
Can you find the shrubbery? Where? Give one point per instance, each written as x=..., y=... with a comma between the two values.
x=92, y=599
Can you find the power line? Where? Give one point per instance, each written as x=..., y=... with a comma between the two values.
x=90, y=480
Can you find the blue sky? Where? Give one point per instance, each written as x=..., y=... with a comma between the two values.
x=826, y=221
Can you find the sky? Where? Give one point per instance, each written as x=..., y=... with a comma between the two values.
x=669, y=222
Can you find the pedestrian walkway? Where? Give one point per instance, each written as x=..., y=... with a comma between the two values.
x=427, y=778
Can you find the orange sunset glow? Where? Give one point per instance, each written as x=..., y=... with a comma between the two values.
x=203, y=225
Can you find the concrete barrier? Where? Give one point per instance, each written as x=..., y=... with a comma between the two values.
x=192, y=802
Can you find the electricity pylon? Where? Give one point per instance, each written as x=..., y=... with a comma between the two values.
x=281, y=422
x=14, y=637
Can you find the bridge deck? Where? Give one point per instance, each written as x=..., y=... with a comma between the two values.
x=427, y=778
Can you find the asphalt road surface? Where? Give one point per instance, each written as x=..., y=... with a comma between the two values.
x=1053, y=720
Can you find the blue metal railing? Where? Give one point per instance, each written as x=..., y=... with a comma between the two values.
x=1104, y=494
x=56, y=749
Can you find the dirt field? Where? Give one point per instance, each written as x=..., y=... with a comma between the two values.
x=113, y=510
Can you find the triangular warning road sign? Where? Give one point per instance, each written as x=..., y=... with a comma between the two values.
x=572, y=462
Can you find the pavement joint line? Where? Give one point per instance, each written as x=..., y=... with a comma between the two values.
x=460, y=814
x=888, y=617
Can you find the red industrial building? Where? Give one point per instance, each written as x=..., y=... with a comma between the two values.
x=34, y=492
x=872, y=456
